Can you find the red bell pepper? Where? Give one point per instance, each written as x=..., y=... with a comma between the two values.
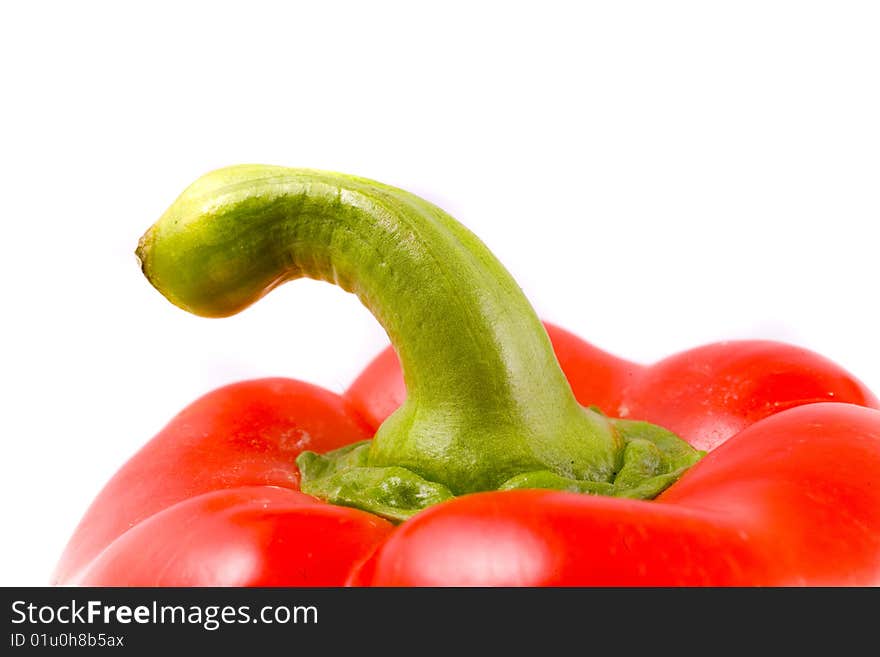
x=512, y=455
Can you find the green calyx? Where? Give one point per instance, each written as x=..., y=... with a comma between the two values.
x=651, y=460
x=487, y=405
x=345, y=477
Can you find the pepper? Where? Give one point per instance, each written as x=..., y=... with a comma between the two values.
x=484, y=447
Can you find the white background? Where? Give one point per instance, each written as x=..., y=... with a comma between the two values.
x=656, y=175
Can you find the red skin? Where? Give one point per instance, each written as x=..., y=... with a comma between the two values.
x=777, y=505
x=213, y=499
x=782, y=500
x=704, y=395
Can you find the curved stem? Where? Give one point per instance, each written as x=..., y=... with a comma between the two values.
x=486, y=398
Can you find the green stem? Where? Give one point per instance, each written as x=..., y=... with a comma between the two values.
x=486, y=400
